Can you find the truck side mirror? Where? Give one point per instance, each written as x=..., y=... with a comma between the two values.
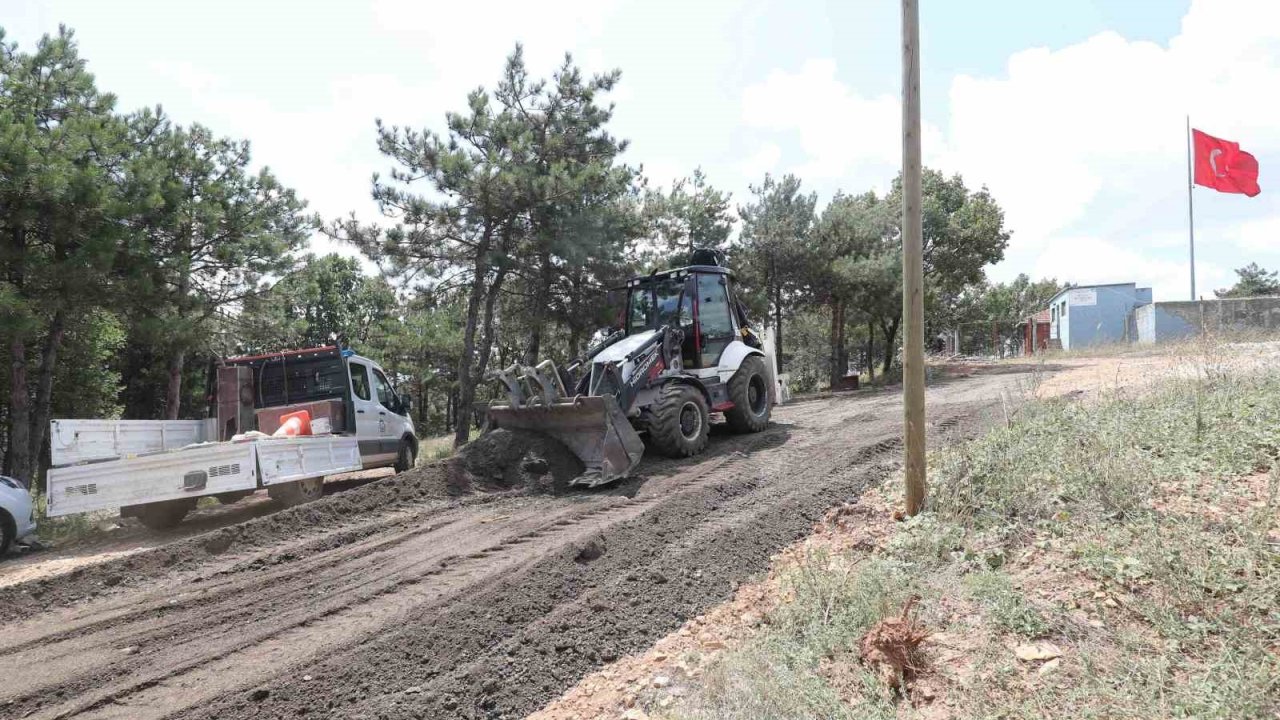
x=406, y=403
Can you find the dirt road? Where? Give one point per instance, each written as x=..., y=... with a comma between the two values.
x=394, y=601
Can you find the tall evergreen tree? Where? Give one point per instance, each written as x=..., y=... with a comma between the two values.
x=570, y=182
x=774, y=240
x=525, y=194
x=693, y=214
x=326, y=296
x=464, y=232
x=215, y=231
x=61, y=156
x=849, y=241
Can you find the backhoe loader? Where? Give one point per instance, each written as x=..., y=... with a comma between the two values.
x=684, y=349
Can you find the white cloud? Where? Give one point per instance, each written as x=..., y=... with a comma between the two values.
x=845, y=136
x=1084, y=146
x=760, y=162
x=1090, y=139
x=1089, y=261
x=1260, y=236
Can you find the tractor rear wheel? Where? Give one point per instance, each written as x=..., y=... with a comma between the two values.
x=680, y=421
x=749, y=392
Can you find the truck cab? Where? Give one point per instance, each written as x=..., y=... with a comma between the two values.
x=350, y=392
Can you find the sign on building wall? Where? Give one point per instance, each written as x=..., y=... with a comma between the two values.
x=1085, y=296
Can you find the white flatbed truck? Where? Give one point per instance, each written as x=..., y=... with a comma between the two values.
x=156, y=470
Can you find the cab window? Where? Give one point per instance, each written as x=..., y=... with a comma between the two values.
x=715, y=318
x=359, y=380
x=385, y=396
x=654, y=304
x=713, y=307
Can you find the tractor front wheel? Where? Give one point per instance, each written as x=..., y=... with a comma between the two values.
x=680, y=422
x=749, y=392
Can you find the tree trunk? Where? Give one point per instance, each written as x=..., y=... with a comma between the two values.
x=486, y=342
x=871, y=351
x=44, y=391
x=546, y=275
x=466, y=386
x=777, y=324
x=837, y=323
x=173, y=394
x=890, y=335
x=842, y=345
x=19, y=458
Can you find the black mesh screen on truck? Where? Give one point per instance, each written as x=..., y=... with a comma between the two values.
x=302, y=380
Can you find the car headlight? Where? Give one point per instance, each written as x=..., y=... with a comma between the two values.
x=5, y=479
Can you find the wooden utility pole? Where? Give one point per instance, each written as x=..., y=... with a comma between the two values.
x=912, y=261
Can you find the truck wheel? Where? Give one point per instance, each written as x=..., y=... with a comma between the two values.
x=679, y=424
x=297, y=492
x=165, y=514
x=749, y=392
x=406, y=459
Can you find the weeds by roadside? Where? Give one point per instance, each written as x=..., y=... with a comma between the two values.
x=1112, y=558
x=57, y=530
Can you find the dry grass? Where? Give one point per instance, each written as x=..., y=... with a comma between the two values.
x=1118, y=557
x=440, y=446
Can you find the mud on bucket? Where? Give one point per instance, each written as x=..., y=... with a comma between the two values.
x=593, y=428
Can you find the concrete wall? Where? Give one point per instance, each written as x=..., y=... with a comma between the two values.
x=1164, y=321
x=1143, y=326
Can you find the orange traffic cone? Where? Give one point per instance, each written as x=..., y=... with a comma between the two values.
x=294, y=424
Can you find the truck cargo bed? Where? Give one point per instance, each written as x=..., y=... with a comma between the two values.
x=197, y=470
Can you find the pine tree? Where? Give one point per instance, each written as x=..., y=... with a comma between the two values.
x=213, y=232
x=1252, y=281
x=693, y=214
x=775, y=232
x=62, y=149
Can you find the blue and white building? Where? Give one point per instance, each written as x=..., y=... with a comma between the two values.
x=1090, y=315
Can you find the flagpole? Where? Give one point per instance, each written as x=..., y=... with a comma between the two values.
x=1191, y=215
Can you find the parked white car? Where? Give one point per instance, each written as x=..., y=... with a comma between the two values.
x=17, y=513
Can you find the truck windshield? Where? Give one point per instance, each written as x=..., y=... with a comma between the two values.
x=658, y=303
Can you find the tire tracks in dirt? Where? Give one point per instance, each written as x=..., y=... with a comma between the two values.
x=483, y=609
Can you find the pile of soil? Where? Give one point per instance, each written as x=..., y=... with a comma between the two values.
x=513, y=459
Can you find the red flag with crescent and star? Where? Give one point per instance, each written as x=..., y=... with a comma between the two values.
x=1223, y=166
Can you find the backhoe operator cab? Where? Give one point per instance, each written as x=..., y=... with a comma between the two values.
x=696, y=303
x=682, y=350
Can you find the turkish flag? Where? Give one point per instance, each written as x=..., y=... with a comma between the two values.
x=1223, y=166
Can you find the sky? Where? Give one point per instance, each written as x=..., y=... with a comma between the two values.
x=1072, y=113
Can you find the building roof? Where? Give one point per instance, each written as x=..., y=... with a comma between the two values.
x=1096, y=286
x=1041, y=317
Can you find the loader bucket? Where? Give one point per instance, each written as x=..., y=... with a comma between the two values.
x=593, y=428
